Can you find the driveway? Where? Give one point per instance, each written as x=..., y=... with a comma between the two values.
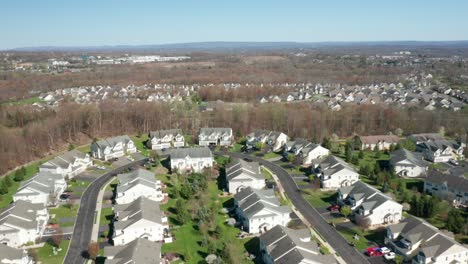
x=81, y=236
x=336, y=241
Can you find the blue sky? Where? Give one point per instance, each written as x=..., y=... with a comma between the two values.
x=26, y=23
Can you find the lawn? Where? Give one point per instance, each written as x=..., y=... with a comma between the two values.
x=106, y=216
x=187, y=237
x=46, y=255
x=85, y=148
x=266, y=174
x=31, y=170
x=237, y=147
x=271, y=155
x=319, y=198
x=366, y=239
x=62, y=211
x=140, y=144
x=77, y=184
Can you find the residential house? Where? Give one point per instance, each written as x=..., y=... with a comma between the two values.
x=241, y=174
x=423, y=137
x=136, y=184
x=383, y=142
x=370, y=206
x=22, y=222
x=295, y=147
x=441, y=150
x=313, y=152
x=44, y=188
x=138, y=251
x=214, y=136
x=9, y=255
x=272, y=139
x=448, y=187
x=260, y=210
x=68, y=164
x=420, y=242
x=164, y=139
x=335, y=173
x=191, y=159
x=285, y=245
x=115, y=147
x=408, y=164
x=141, y=218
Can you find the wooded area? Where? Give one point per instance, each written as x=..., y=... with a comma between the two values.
x=27, y=134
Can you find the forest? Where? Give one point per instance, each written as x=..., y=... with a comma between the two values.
x=27, y=134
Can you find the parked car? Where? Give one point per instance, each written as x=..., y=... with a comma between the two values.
x=389, y=256
x=374, y=252
x=334, y=208
x=453, y=162
x=384, y=250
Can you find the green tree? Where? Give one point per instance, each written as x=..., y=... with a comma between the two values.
x=345, y=210
x=20, y=174
x=186, y=191
x=291, y=157
x=357, y=143
x=455, y=221
x=348, y=152
x=182, y=216
x=71, y=147
x=399, y=259
x=259, y=145
x=408, y=144
x=326, y=143
x=355, y=160
x=3, y=188
x=385, y=187
x=7, y=180
x=361, y=154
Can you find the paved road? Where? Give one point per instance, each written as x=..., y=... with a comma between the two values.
x=85, y=219
x=339, y=244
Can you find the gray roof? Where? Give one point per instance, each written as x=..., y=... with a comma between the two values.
x=220, y=131
x=438, y=144
x=42, y=182
x=111, y=142
x=286, y=245
x=11, y=254
x=459, y=183
x=141, y=208
x=403, y=154
x=136, y=177
x=425, y=137
x=64, y=160
x=373, y=198
x=21, y=214
x=241, y=167
x=199, y=152
x=253, y=201
x=163, y=133
x=414, y=229
x=139, y=251
x=334, y=162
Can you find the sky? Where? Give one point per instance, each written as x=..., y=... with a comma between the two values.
x=31, y=23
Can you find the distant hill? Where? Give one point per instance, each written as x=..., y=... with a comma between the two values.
x=252, y=46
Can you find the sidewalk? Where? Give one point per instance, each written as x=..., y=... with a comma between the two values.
x=95, y=232
x=312, y=230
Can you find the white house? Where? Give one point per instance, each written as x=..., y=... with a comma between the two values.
x=68, y=164
x=448, y=187
x=272, y=139
x=292, y=246
x=22, y=222
x=141, y=218
x=44, y=188
x=260, y=210
x=313, y=152
x=9, y=255
x=335, y=173
x=115, y=147
x=382, y=141
x=136, y=184
x=215, y=136
x=408, y=164
x=164, y=139
x=370, y=206
x=241, y=174
x=191, y=159
x=295, y=147
x=441, y=150
x=138, y=251
x=414, y=238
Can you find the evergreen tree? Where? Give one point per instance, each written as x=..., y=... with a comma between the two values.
x=348, y=153
x=455, y=221
x=361, y=154
x=7, y=180
x=19, y=174
x=385, y=187
x=326, y=143
x=3, y=188
x=183, y=215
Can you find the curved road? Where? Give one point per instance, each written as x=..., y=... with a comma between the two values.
x=85, y=219
x=339, y=244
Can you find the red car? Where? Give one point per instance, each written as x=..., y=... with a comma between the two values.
x=334, y=208
x=374, y=252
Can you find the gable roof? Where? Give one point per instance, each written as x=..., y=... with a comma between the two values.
x=453, y=182
x=21, y=214
x=253, y=201
x=404, y=154
x=425, y=137
x=239, y=167
x=138, y=251
x=141, y=208
x=198, y=152
x=217, y=131
x=392, y=139
x=12, y=254
x=64, y=160
x=42, y=182
x=435, y=145
x=163, y=133
x=111, y=142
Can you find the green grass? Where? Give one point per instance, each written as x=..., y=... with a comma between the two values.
x=62, y=211
x=188, y=238
x=112, y=185
x=85, y=148
x=271, y=155
x=319, y=198
x=266, y=174
x=366, y=239
x=140, y=144
x=106, y=216
x=46, y=255
x=237, y=147
x=26, y=101
x=31, y=170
